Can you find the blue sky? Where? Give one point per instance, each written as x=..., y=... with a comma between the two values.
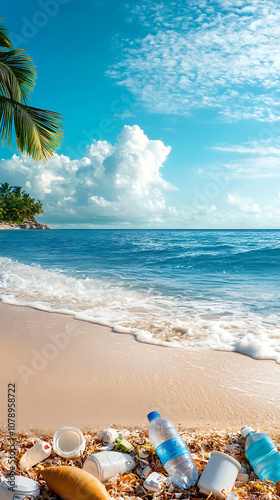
x=171, y=111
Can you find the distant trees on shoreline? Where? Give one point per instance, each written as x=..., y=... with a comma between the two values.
x=16, y=205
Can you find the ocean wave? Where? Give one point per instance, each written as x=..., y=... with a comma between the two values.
x=187, y=322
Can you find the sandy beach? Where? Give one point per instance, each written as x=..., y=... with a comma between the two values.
x=71, y=372
x=8, y=226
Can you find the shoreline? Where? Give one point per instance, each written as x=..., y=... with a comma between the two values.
x=25, y=224
x=70, y=372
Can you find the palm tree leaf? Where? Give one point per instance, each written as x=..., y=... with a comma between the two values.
x=4, y=36
x=6, y=120
x=17, y=74
x=38, y=132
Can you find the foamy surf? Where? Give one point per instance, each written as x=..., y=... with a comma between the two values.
x=151, y=317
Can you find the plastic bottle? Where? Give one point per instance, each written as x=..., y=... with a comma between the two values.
x=262, y=454
x=34, y=455
x=172, y=451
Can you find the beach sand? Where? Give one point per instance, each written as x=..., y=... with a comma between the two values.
x=7, y=226
x=70, y=372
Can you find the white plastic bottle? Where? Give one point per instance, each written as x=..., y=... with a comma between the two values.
x=172, y=451
x=34, y=455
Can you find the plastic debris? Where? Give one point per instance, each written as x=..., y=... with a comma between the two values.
x=69, y=442
x=108, y=435
x=130, y=486
x=244, y=478
x=146, y=471
x=37, y=453
x=155, y=482
x=123, y=444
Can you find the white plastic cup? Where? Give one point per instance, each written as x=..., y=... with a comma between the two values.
x=34, y=455
x=219, y=475
x=69, y=442
x=107, y=464
x=23, y=487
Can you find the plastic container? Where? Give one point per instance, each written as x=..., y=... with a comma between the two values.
x=34, y=455
x=69, y=442
x=262, y=454
x=155, y=482
x=107, y=464
x=23, y=487
x=172, y=451
x=108, y=435
x=219, y=475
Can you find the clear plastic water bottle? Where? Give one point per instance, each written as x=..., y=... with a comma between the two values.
x=262, y=454
x=35, y=454
x=172, y=451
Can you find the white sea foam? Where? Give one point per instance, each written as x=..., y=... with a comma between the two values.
x=151, y=318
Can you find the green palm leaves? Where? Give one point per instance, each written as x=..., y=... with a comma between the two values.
x=4, y=37
x=38, y=131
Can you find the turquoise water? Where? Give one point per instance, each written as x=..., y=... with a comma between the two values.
x=194, y=289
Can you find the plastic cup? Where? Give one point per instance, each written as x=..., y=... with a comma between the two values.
x=219, y=475
x=69, y=442
x=24, y=487
x=107, y=464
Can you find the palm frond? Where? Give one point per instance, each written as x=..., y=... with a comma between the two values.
x=17, y=74
x=4, y=36
x=6, y=120
x=38, y=132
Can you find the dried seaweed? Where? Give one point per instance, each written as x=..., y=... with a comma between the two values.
x=130, y=486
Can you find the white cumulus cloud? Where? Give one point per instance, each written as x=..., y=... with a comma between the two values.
x=111, y=183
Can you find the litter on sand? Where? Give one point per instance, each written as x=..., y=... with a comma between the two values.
x=130, y=485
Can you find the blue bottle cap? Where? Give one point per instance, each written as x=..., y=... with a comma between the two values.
x=152, y=415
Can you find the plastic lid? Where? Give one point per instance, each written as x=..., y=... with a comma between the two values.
x=246, y=430
x=152, y=415
x=22, y=485
x=68, y=442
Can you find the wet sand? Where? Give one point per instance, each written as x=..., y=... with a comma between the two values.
x=70, y=372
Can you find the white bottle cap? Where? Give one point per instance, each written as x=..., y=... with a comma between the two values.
x=246, y=430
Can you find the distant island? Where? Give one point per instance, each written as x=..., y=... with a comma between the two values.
x=18, y=209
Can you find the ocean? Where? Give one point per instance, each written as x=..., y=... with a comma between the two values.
x=177, y=288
